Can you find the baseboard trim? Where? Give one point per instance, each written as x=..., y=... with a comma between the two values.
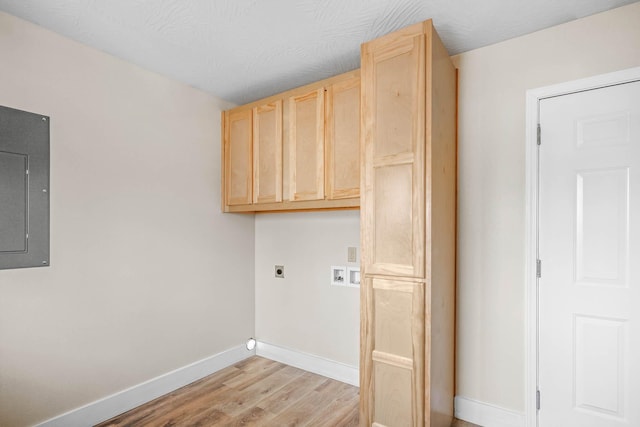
x=125, y=400
x=309, y=362
x=486, y=415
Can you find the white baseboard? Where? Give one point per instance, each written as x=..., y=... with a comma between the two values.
x=316, y=364
x=125, y=400
x=486, y=415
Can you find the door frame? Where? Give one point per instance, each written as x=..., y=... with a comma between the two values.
x=534, y=96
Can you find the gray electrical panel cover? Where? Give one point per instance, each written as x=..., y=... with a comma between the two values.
x=24, y=189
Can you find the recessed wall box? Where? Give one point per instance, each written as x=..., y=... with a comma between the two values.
x=353, y=277
x=338, y=275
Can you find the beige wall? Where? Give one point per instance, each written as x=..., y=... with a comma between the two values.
x=146, y=274
x=303, y=311
x=493, y=84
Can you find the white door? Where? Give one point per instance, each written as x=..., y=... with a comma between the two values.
x=589, y=244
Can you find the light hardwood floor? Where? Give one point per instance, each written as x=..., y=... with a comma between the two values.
x=459, y=423
x=254, y=392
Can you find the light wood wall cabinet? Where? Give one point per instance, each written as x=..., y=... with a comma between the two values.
x=408, y=216
x=267, y=153
x=342, y=139
x=306, y=146
x=298, y=150
x=237, y=159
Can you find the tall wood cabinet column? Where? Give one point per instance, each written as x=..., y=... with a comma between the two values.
x=408, y=230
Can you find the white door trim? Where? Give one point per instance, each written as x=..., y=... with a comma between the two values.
x=531, y=241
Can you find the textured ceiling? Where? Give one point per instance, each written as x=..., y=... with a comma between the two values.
x=243, y=50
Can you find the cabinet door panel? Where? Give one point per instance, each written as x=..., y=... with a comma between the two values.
x=396, y=84
x=306, y=146
x=393, y=368
x=392, y=396
x=267, y=153
x=238, y=157
x=393, y=233
x=393, y=122
x=342, y=134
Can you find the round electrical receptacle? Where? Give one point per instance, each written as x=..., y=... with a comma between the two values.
x=251, y=344
x=279, y=270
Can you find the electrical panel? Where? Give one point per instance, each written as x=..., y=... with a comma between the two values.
x=24, y=189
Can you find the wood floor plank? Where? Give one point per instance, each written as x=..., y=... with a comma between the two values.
x=180, y=413
x=300, y=413
x=162, y=405
x=203, y=418
x=291, y=393
x=254, y=392
x=248, y=396
x=255, y=416
x=249, y=376
x=352, y=417
x=334, y=412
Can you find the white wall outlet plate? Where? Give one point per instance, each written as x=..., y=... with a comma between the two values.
x=338, y=275
x=352, y=254
x=353, y=277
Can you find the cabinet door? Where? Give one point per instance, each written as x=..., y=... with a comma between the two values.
x=342, y=133
x=393, y=202
x=306, y=146
x=238, y=140
x=267, y=153
x=393, y=340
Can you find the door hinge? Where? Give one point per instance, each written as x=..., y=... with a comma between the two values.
x=539, y=136
x=538, y=268
x=538, y=400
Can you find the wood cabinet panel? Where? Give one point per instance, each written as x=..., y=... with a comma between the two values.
x=238, y=157
x=396, y=338
x=392, y=328
x=267, y=153
x=306, y=146
x=392, y=396
x=393, y=122
x=392, y=235
x=408, y=230
x=441, y=184
x=397, y=80
x=342, y=139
